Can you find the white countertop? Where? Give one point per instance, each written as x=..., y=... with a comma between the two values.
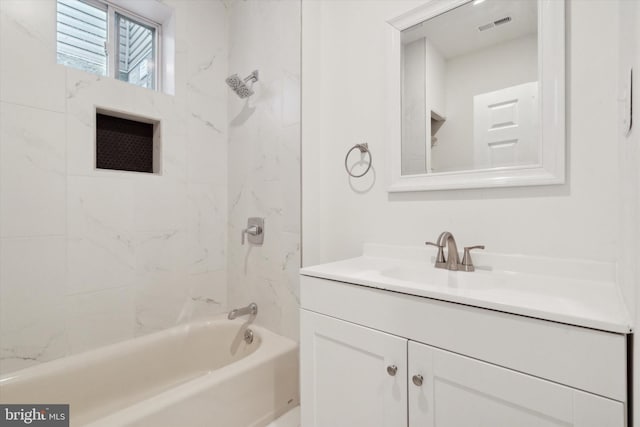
x=582, y=293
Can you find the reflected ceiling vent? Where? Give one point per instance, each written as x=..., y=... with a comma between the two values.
x=494, y=24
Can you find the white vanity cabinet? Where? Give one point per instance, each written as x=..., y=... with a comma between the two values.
x=458, y=391
x=345, y=374
x=373, y=358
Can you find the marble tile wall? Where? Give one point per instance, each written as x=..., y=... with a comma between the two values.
x=88, y=257
x=264, y=161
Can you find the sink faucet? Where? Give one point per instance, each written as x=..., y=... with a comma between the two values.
x=452, y=262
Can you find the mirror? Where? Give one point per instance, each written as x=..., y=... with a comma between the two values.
x=478, y=94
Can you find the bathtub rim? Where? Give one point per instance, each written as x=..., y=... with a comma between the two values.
x=100, y=353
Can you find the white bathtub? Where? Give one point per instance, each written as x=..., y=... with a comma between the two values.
x=199, y=374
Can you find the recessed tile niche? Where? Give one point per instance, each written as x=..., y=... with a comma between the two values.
x=127, y=143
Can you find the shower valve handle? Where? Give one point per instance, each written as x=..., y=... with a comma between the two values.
x=254, y=230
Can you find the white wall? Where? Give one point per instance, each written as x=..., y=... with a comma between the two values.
x=92, y=257
x=496, y=67
x=264, y=161
x=344, y=81
x=629, y=178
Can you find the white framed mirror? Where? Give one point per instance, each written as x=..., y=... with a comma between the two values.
x=477, y=95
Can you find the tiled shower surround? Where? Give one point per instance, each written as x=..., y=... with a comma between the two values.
x=90, y=257
x=264, y=161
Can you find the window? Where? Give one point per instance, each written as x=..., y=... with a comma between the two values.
x=136, y=52
x=101, y=38
x=82, y=36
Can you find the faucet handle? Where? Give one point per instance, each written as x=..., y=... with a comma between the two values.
x=467, y=263
x=440, y=256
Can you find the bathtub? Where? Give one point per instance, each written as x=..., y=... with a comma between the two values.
x=199, y=374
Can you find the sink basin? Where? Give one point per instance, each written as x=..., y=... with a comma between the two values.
x=415, y=273
x=582, y=293
x=429, y=276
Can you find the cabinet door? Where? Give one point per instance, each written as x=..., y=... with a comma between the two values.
x=347, y=375
x=460, y=391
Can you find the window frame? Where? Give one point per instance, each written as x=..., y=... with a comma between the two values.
x=111, y=45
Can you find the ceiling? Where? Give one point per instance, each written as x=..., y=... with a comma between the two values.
x=456, y=32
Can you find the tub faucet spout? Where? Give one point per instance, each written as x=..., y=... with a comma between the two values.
x=251, y=309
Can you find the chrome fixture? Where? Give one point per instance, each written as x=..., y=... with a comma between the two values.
x=417, y=380
x=452, y=261
x=467, y=263
x=239, y=86
x=364, y=148
x=254, y=231
x=248, y=336
x=392, y=370
x=251, y=309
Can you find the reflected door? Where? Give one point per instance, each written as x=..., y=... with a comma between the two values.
x=505, y=127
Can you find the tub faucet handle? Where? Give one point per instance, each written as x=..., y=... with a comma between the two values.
x=467, y=263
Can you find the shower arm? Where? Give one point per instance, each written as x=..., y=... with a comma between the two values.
x=253, y=77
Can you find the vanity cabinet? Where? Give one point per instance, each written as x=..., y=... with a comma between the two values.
x=345, y=374
x=374, y=361
x=457, y=391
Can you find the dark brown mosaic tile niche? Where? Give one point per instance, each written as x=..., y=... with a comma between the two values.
x=123, y=144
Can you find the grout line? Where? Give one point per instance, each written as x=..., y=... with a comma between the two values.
x=18, y=104
x=36, y=236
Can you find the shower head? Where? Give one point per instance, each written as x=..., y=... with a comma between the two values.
x=240, y=87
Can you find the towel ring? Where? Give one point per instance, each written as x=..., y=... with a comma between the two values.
x=364, y=148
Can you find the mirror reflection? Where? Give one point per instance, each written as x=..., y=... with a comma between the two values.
x=470, y=89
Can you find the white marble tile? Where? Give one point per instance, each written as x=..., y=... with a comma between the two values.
x=32, y=172
x=291, y=98
x=84, y=93
x=41, y=341
x=206, y=153
x=159, y=301
x=160, y=252
x=206, y=63
x=173, y=134
x=100, y=233
x=207, y=295
x=290, y=263
x=32, y=280
x=99, y=318
x=160, y=290
x=29, y=74
x=93, y=266
x=290, y=297
x=99, y=206
x=140, y=253
x=206, y=228
x=264, y=159
x=159, y=203
x=290, y=178
x=168, y=288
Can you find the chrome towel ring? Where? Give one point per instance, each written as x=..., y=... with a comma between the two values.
x=364, y=148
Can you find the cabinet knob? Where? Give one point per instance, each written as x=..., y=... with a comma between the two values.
x=417, y=380
x=391, y=370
